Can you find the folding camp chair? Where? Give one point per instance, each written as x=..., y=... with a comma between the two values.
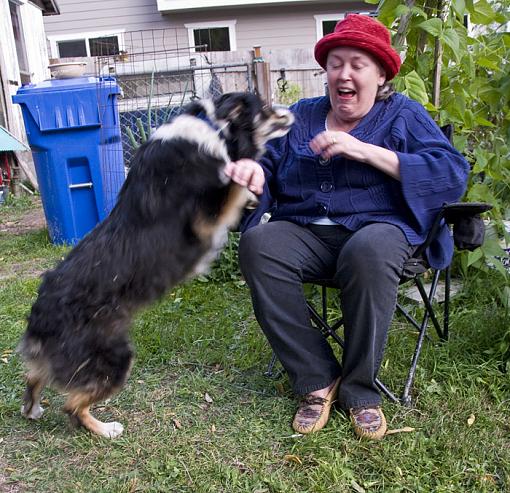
x=468, y=231
x=456, y=215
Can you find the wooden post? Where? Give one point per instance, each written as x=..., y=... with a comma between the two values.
x=262, y=75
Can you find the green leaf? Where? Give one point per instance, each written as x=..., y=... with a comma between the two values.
x=482, y=13
x=505, y=297
x=498, y=265
x=483, y=122
x=415, y=87
x=492, y=248
x=432, y=26
x=419, y=12
x=487, y=63
x=460, y=7
x=401, y=10
x=451, y=38
x=473, y=256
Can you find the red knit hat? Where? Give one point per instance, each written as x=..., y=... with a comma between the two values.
x=365, y=33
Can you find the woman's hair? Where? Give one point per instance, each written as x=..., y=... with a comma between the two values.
x=384, y=91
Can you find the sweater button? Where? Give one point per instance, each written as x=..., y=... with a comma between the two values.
x=326, y=186
x=324, y=162
x=321, y=209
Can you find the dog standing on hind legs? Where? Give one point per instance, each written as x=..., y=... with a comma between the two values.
x=171, y=220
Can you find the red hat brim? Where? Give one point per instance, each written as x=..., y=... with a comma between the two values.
x=384, y=54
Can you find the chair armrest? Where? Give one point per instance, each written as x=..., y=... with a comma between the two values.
x=451, y=213
x=454, y=212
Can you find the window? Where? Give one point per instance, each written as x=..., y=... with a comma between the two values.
x=90, y=44
x=214, y=39
x=326, y=23
x=107, y=45
x=19, y=40
x=328, y=27
x=212, y=36
x=77, y=47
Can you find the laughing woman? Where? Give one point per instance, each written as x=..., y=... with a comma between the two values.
x=352, y=189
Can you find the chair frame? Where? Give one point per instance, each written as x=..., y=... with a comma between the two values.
x=414, y=269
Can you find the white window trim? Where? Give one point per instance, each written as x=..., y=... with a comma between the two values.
x=325, y=17
x=210, y=25
x=332, y=17
x=54, y=39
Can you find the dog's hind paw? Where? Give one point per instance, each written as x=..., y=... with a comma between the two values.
x=111, y=430
x=35, y=412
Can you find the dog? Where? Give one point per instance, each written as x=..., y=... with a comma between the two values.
x=170, y=222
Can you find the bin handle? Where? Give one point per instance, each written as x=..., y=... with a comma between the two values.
x=81, y=185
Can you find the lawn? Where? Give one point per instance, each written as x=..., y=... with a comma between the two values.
x=200, y=416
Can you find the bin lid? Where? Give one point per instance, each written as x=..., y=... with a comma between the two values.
x=58, y=85
x=60, y=104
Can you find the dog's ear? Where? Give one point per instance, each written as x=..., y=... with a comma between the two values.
x=233, y=106
x=194, y=108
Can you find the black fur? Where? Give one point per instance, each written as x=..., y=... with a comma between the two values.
x=77, y=334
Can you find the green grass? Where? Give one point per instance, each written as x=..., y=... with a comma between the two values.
x=202, y=340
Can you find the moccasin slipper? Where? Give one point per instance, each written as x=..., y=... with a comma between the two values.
x=313, y=412
x=368, y=422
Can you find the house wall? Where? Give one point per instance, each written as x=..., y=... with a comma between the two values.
x=37, y=57
x=35, y=42
x=274, y=27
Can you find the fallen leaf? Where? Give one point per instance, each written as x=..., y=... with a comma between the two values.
x=293, y=458
x=208, y=398
x=405, y=429
x=357, y=487
x=176, y=423
x=213, y=428
x=471, y=420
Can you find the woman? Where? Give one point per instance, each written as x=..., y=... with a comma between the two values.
x=353, y=189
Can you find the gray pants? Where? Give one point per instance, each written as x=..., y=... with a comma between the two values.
x=278, y=257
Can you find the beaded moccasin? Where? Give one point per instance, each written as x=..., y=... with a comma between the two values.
x=313, y=412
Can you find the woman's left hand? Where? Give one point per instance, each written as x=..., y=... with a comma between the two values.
x=328, y=144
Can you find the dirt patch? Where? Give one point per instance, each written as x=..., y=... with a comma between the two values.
x=29, y=268
x=31, y=220
x=7, y=486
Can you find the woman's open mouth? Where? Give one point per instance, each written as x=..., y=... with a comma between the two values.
x=346, y=94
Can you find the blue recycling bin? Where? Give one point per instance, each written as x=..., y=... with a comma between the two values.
x=73, y=130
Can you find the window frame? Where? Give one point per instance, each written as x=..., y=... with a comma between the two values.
x=55, y=39
x=20, y=44
x=332, y=17
x=230, y=24
x=319, y=19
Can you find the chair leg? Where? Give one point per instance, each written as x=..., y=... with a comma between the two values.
x=330, y=331
x=446, y=316
x=429, y=313
x=270, y=367
x=427, y=300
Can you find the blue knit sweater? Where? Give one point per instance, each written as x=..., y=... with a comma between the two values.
x=301, y=188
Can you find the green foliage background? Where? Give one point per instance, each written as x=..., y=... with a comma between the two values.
x=474, y=92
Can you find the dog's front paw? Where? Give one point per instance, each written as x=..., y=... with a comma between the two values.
x=111, y=430
x=35, y=411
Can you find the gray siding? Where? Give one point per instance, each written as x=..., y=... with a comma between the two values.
x=272, y=27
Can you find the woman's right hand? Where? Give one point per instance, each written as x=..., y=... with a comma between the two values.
x=247, y=173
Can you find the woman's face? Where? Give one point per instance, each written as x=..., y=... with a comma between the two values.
x=354, y=77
